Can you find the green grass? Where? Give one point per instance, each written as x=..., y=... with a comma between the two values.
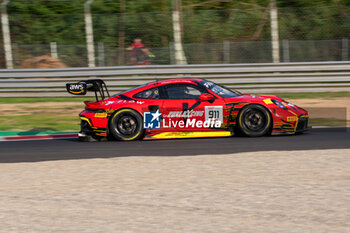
x=10, y=100
x=39, y=123
x=327, y=122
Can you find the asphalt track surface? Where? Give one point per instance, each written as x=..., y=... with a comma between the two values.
x=64, y=149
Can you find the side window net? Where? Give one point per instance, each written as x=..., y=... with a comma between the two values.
x=182, y=91
x=148, y=94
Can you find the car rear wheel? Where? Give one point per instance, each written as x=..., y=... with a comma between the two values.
x=254, y=121
x=126, y=125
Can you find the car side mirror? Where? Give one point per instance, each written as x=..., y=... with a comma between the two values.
x=207, y=97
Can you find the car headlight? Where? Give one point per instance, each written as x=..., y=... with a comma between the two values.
x=279, y=104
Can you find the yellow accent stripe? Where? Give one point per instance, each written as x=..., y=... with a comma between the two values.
x=86, y=119
x=192, y=134
x=101, y=134
x=293, y=112
x=268, y=101
x=296, y=121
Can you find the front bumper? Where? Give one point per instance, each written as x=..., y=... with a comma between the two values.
x=291, y=125
x=302, y=124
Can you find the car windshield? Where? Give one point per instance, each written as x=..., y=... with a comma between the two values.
x=220, y=90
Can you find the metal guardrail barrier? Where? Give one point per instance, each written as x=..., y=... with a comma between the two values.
x=253, y=78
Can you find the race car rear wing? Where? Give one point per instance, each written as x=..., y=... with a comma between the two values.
x=82, y=87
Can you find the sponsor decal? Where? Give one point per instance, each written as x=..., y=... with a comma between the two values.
x=184, y=114
x=151, y=120
x=165, y=135
x=109, y=102
x=191, y=123
x=208, y=84
x=124, y=102
x=101, y=115
x=76, y=88
x=213, y=119
x=292, y=118
x=214, y=113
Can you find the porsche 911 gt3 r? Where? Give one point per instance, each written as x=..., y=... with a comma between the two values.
x=183, y=108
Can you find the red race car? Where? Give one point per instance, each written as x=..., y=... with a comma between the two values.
x=183, y=108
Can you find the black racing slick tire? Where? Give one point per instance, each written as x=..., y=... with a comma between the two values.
x=126, y=125
x=254, y=121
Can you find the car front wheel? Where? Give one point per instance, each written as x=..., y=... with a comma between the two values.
x=254, y=121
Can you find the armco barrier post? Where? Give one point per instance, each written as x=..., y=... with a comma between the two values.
x=89, y=34
x=274, y=32
x=6, y=34
x=180, y=58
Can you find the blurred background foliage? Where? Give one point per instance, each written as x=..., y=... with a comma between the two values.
x=43, y=21
x=118, y=22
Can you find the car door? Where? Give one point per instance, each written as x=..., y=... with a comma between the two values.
x=183, y=109
x=151, y=100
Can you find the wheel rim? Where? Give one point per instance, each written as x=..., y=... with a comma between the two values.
x=254, y=120
x=126, y=125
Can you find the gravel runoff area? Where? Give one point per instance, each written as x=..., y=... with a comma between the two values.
x=277, y=191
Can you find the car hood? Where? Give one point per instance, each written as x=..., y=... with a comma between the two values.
x=259, y=99
x=252, y=98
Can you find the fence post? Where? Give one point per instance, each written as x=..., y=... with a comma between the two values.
x=171, y=52
x=226, y=51
x=285, y=47
x=89, y=34
x=101, y=54
x=179, y=52
x=53, y=49
x=345, y=49
x=274, y=32
x=121, y=33
x=6, y=35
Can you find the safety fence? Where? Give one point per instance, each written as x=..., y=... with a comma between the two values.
x=227, y=52
x=240, y=33
x=249, y=78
